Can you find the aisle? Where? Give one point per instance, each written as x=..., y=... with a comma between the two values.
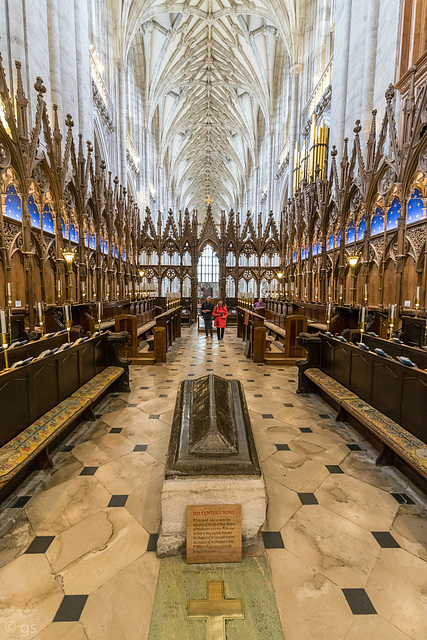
x=346, y=541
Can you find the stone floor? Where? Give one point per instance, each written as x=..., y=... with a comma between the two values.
x=346, y=542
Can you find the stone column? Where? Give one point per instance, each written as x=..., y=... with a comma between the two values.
x=341, y=72
x=84, y=80
x=369, y=65
x=121, y=69
x=54, y=53
x=293, y=125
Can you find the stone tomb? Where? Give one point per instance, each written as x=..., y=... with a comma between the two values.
x=212, y=459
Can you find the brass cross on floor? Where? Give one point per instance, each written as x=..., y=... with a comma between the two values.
x=216, y=610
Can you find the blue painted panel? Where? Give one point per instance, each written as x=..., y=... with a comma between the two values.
x=13, y=204
x=393, y=214
x=72, y=232
x=377, y=222
x=47, y=219
x=351, y=233
x=361, y=229
x=34, y=213
x=415, y=207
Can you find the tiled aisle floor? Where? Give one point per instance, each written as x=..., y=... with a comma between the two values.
x=346, y=541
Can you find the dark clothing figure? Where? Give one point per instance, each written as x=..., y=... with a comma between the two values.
x=207, y=310
x=220, y=332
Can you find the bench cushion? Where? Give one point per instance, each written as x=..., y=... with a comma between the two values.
x=92, y=389
x=329, y=385
x=25, y=445
x=409, y=447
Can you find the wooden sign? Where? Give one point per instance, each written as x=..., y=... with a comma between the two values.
x=214, y=533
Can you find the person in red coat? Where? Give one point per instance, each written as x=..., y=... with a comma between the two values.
x=220, y=314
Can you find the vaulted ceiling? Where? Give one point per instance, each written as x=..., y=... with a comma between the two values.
x=209, y=72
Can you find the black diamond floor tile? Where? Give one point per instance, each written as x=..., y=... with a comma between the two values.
x=88, y=471
x=116, y=430
x=71, y=608
x=334, y=468
x=306, y=430
x=282, y=447
x=163, y=395
x=267, y=416
x=325, y=416
x=291, y=380
x=154, y=416
x=118, y=501
x=152, y=542
x=257, y=395
x=141, y=447
x=359, y=602
x=20, y=502
x=132, y=405
x=40, y=544
x=354, y=447
x=272, y=540
x=67, y=448
x=288, y=404
x=385, y=540
x=143, y=387
x=307, y=498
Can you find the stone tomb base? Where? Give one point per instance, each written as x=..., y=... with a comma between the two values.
x=179, y=493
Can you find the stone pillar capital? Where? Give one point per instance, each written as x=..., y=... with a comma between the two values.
x=296, y=69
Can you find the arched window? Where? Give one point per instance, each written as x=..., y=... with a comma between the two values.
x=208, y=266
x=415, y=207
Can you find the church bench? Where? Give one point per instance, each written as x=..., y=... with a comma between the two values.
x=407, y=446
x=394, y=349
x=164, y=328
x=385, y=397
x=258, y=333
x=43, y=400
x=34, y=441
x=34, y=348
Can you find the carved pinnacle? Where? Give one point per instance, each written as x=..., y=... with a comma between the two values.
x=39, y=86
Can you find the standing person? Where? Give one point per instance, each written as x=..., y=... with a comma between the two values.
x=220, y=314
x=207, y=309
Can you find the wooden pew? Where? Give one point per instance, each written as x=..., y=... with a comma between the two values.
x=293, y=326
x=384, y=398
x=258, y=333
x=393, y=349
x=164, y=327
x=42, y=401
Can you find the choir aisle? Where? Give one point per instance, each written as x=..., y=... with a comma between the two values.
x=346, y=542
